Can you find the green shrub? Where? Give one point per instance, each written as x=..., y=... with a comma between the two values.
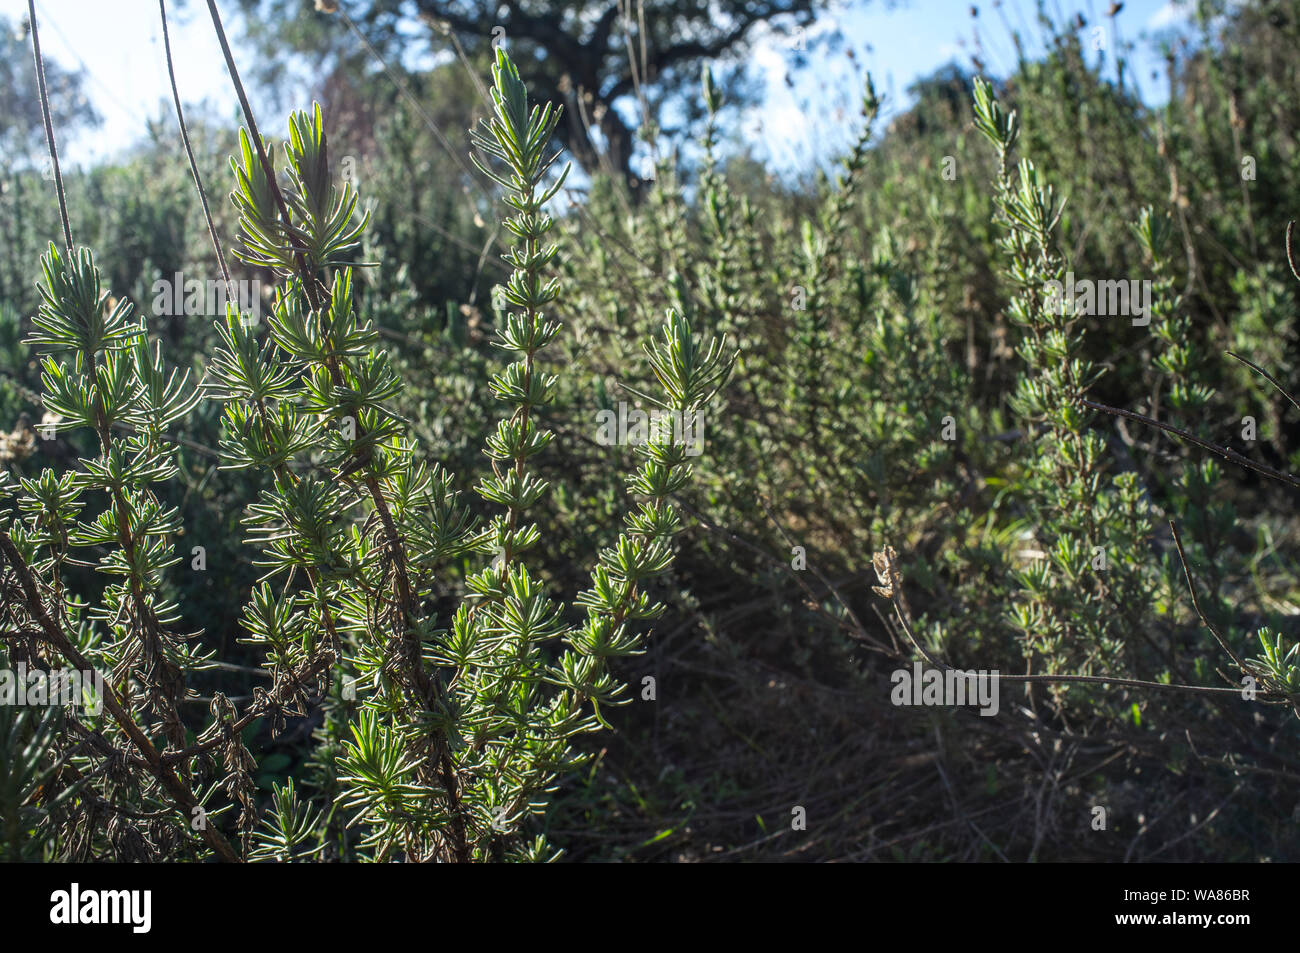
x=457, y=725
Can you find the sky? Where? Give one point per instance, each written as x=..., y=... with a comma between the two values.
x=118, y=43
x=903, y=43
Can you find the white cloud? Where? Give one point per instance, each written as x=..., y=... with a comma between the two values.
x=950, y=51
x=782, y=118
x=1173, y=13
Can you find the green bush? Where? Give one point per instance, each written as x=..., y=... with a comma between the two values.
x=903, y=385
x=446, y=731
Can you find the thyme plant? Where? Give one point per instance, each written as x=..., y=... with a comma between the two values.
x=1077, y=603
x=459, y=721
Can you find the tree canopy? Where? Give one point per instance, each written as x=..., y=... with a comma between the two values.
x=600, y=59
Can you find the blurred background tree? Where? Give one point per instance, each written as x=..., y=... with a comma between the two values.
x=611, y=63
